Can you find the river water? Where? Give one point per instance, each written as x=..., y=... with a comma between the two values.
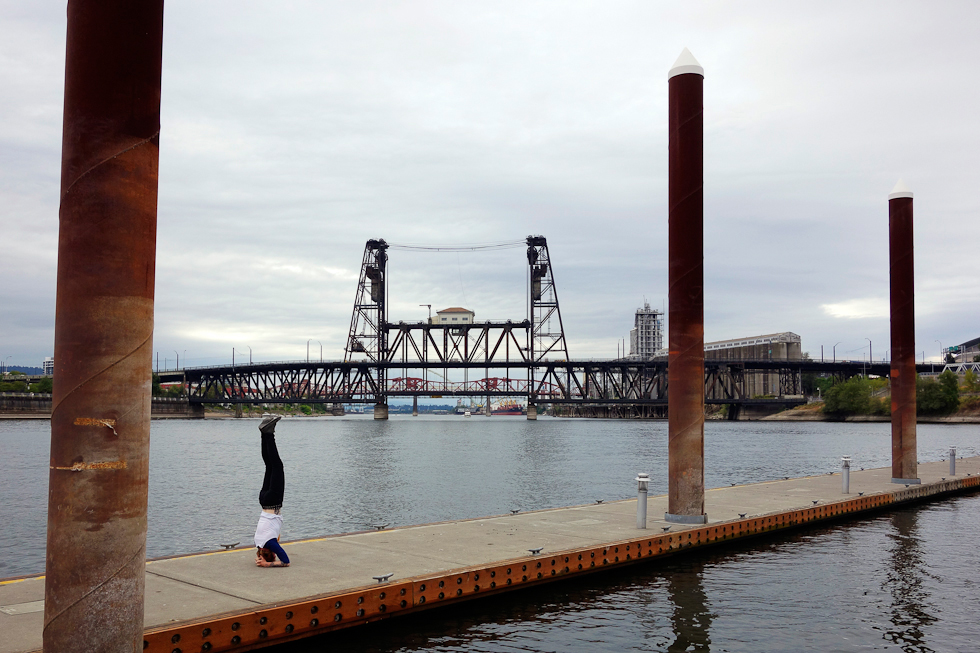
x=906, y=580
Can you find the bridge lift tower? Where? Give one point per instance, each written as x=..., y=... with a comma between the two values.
x=544, y=341
x=368, y=334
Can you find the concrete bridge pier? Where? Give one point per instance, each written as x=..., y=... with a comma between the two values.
x=685, y=368
x=902, y=301
x=415, y=406
x=532, y=411
x=100, y=422
x=380, y=411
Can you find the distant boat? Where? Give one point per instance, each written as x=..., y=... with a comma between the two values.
x=467, y=414
x=512, y=408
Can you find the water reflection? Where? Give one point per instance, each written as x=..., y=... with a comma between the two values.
x=691, y=619
x=905, y=582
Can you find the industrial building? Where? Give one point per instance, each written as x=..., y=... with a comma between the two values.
x=647, y=334
x=647, y=343
x=774, y=346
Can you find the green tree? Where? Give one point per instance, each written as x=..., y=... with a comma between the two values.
x=824, y=383
x=970, y=383
x=42, y=386
x=851, y=397
x=940, y=397
x=157, y=390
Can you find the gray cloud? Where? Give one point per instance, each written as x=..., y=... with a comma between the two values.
x=292, y=133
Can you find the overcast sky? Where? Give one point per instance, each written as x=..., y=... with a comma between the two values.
x=293, y=132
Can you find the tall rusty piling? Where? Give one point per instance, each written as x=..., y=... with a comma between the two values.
x=100, y=422
x=685, y=371
x=902, y=296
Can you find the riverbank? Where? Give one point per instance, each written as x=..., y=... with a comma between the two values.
x=814, y=413
x=16, y=405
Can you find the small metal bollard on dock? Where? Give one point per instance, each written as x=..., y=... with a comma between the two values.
x=845, y=465
x=643, y=487
x=952, y=461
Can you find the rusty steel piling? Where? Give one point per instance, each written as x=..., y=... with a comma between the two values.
x=100, y=422
x=685, y=372
x=902, y=298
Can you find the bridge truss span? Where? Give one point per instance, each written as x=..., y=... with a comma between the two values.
x=504, y=358
x=581, y=383
x=479, y=343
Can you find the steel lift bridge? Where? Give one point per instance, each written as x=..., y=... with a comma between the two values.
x=515, y=358
x=438, y=359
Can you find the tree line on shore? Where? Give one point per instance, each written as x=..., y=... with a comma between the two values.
x=11, y=383
x=863, y=396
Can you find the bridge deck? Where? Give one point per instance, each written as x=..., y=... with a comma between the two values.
x=214, y=598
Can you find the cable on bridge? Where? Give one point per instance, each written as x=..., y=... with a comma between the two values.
x=512, y=244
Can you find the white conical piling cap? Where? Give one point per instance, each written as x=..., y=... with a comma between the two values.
x=900, y=190
x=686, y=63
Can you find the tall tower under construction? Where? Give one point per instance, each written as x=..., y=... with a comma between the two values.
x=647, y=334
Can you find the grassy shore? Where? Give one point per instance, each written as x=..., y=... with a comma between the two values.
x=966, y=414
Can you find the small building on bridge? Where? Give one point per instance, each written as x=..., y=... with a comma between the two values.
x=455, y=315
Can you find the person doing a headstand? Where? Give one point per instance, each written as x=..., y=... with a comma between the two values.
x=270, y=498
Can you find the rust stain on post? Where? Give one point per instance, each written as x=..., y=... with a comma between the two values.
x=80, y=467
x=94, y=421
x=104, y=327
x=685, y=372
x=902, y=295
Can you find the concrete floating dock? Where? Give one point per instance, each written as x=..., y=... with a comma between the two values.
x=221, y=601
